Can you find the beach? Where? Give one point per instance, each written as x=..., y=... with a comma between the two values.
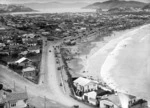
x=122, y=60
x=127, y=67
x=93, y=61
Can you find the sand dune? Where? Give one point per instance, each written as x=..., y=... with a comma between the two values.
x=127, y=67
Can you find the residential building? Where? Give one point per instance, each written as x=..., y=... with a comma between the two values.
x=16, y=100
x=85, y=85
x=29, y=72
x=23, y=62
x=13, y=100
x=34, y=49
x=90, y=97
x=112, y=101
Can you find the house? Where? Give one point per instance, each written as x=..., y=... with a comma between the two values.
x=16, y=100
x=2, y=45
x=29, y=72
x=93, y=96
x=23, y=62
x=24, y=53
x=90, y=97
x=28, y=35
x=139, y=104
x=34, y=49
x=85, y=85
x=126, y=101
x=111, y=101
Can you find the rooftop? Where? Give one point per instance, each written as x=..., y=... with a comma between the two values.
x=16, y=96
x=28, y=69
x=21, y=60
x=82, y=81
x=114, y=99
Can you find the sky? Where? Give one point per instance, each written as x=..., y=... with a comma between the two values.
x=66, y=1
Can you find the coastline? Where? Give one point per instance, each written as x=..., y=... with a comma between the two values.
x=125, y=69
x=93, y=60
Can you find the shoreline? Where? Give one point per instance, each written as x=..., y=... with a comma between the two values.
x=122, y=71
x=104, y=48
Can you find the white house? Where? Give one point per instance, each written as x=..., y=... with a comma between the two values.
x=85, y=85
x=111, y=101
x=90, y=97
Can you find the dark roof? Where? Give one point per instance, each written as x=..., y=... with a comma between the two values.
x=132, y=97
x=141, y=101
x=16, y=96
x=101, y=92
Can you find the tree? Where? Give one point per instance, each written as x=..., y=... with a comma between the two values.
x=1, y=86
x=14, y=55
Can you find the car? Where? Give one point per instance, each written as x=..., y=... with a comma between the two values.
x=49, y=50
x=75, y=106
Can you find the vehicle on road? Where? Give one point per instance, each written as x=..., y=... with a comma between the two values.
x=75, y=106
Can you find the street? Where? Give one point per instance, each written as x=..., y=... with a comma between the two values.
x=49, y=84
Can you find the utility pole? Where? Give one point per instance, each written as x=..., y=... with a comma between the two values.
x=44, y=101
x=14, y=86
x=25, y=89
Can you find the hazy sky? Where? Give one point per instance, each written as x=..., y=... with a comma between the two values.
x=29, y=1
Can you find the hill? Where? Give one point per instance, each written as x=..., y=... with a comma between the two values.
x=116, y=4
x=147, y=7
x=14, y=8
x=51, y=5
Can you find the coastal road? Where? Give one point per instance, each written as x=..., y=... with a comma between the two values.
x=53, y=78
x=49, y=85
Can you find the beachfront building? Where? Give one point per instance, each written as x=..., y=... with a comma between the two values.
x=139, y=104
x=93, y=96
x=90, y=97
x=85, y=85
x=111, y=101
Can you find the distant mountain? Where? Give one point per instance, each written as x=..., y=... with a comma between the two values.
x=51, y=5
x=116, y=4
x=147, y=6
x=14, y=8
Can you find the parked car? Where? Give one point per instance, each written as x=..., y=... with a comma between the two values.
x=75, y=106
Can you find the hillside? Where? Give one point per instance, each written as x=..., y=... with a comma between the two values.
x=51, y=5
x=14, y=8
x=116, y=4
x=147, y=7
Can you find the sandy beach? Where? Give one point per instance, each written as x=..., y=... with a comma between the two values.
x=127, y=67
x=93, y=61
x=122, y=60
